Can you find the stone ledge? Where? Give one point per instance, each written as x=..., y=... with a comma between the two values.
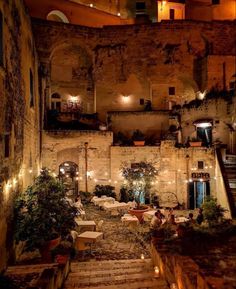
x=183, y=271
x=39, y=276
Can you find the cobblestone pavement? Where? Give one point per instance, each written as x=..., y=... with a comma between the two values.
x=120, y=241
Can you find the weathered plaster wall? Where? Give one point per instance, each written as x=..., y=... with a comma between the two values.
x=204, y=10
x=62, y=146
x=223, y=114
x=18, y=120
x=151, y=123
x=142, y=61
x=173, y=165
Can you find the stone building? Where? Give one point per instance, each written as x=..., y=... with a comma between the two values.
x=70, y=86
x=19, y=112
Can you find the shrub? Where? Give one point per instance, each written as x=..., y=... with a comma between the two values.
x=107, y=190
x=212, y=212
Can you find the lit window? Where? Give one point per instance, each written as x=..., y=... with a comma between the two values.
x=1, y=39
x=31, y=89
x=140, y=7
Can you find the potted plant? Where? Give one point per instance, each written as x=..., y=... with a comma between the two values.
x=138, y=138
x=62, y=252
x=138, y=181
x=42, y=215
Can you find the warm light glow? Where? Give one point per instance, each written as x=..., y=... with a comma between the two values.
x=118, y=14
x=201, y=95
x=203, y=124
x=74, y=99
x=201, y=180
x=173, y=286
x=142, y=256
x=109, y=181
x=125, y=98
x=156, y=270
x=76, y=178
x=91, y=4
x=30, y=171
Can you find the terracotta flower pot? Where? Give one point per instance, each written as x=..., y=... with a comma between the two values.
x=45, y=250
x=139, y=213
x=61, y=259
x=139, y=142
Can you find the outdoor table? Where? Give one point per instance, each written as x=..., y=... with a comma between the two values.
x=101, y=201
x=179, y=220
x=115, y=206
x=147, y=216
x=85, y=225
x=88, y=237
x=129, y=220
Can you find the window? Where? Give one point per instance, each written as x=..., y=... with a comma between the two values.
x=140, y=6
x=31, y=89
x=171, y=90
x=200, y=165
x=141, y=101
x=172, y=14
x=1, y=39
x=7, y=146
x=214, y=2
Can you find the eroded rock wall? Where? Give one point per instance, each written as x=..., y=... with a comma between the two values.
x=19, y=129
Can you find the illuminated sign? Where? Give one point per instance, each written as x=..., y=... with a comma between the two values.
x=204, y=176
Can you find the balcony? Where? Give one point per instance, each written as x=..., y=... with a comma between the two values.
x=56, y=120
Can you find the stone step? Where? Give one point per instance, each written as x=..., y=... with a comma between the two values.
x=114, y=274
x=110, y=264
x=114, y=271
x=147, y=284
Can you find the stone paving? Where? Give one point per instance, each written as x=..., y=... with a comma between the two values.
x=120, y=241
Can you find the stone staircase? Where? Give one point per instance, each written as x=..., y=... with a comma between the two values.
x=114, y=274
x=230, y=169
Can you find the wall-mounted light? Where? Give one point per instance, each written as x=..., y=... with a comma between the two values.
x=201, y=95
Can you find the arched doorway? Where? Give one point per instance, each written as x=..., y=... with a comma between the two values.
x=68, y=174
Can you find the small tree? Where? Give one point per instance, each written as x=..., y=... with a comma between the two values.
x=139, y=179
x=42, y=212
x=212, y=212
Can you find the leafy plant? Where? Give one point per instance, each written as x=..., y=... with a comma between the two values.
x=6, y=282
x=212, y=212
x=138, y=135
x=107, y=190
x=139, y=179
x=42, y=212
x=85, y=196
x=64, y=248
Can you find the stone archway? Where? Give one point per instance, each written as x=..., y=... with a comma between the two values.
x=58, y=16
x=68, y=174
x=72, y=77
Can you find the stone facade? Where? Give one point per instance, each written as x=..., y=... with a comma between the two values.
x=122, y=67
x=222, y=113
x=59, y=147
x=19, y=114
x=127, y=122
